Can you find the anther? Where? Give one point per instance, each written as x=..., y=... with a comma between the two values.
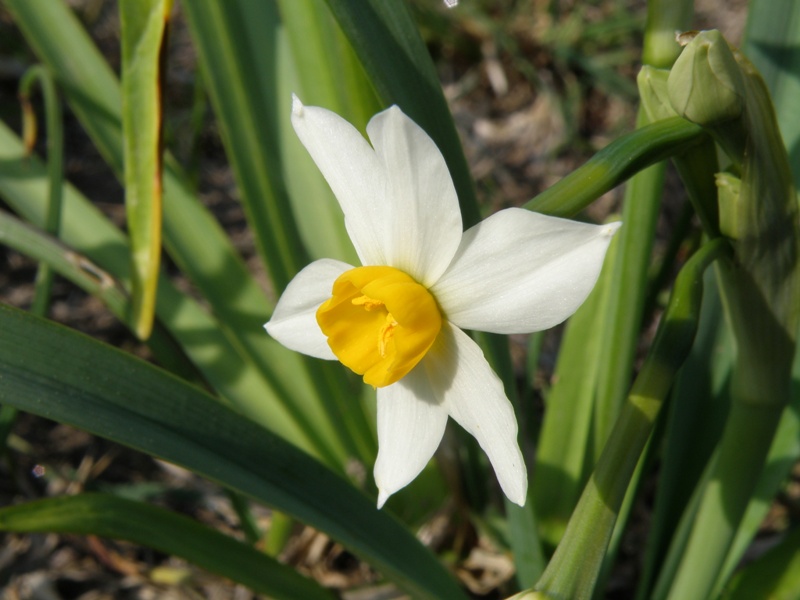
x=367, y=302
x=386, y=333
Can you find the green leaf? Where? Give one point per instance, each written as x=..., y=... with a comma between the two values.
x=56, y=373
x=774, y=576
x=264, y=380
x=231, y=371
x=394, y=56
x=625, y=308
x=55, y=164
x=318, y=64
x=192, y=236
x=110, y=516
x=573, y=570
x=697, y=414
x=329, y=73
x=143, y=32
x=237, y=45
x=242, y=82
x=92, y=279
x=561, y=470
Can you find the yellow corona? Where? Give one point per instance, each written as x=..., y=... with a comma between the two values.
x=379, y=322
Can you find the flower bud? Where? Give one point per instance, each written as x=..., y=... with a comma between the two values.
x=705, y=85
x=654, y=94
x=728, y=192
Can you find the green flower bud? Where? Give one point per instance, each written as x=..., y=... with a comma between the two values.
x=728, y=191
x=705, y=85
x=654, y=94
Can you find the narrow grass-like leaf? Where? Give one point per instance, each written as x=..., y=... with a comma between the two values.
x=694, y=424
x=319, y=216
x=328, y=71
x=110, y=516
x=242, y=83
x=196, y=243
x=192, y=236
x=775, y=575
x=625, y=310
x=318, y=64
x=394, y=56
x=54, y=372
x=225, y=363
x=237, y=44
x=93, y=280
x=561, y=470
x=143, y=26
x=529, y=556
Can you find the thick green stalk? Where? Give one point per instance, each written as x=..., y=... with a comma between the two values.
x=576, y=563
x=759, y=391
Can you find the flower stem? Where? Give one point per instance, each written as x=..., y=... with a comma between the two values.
x=577, y=561
x=615, y=163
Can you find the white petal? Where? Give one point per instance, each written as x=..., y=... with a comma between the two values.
x=520, y=271
x=410, y=426
x=424, y=220
x=354, y=172
x=474, y=397
x=294, y=321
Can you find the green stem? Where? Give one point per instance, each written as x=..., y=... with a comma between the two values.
x=615, y=163
x=577, y=561
x=760, y=390
x=624, y=314
x=248, y=523
x=55, y=161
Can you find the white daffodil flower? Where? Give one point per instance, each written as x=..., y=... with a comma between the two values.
x=398, y=319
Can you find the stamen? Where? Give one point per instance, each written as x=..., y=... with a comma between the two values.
x=386, y=334
x=367, y=302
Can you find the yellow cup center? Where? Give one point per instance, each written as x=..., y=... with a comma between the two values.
x=379, y=323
